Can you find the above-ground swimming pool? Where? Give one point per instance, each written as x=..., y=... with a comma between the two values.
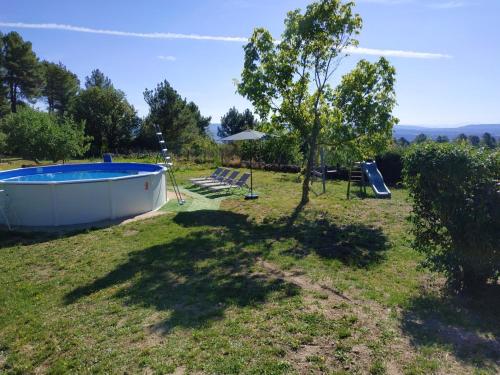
x=80, y=193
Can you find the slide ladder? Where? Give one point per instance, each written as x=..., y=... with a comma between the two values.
x=356, y=176
x=167, y=163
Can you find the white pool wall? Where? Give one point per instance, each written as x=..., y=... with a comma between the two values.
x=81, y=202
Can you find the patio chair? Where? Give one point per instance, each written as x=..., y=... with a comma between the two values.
x=242, y=181
x=217, y=172
x=216, y=179
x=231, y=179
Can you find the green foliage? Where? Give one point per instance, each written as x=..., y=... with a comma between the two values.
x=61, y=86
x=4, y=104
x=288, y=83
x=362, y=118
x=474, y=140
x=109, y=119
x=3, y=142
x=234, y=122
x=37, y=135
x=442, y=139
x=456, y=210
x=390, y=164
x=22, y=72
x=402, y=142
x=98, y=79
x=488, y=141
x=461, y=138
x=421, y=138
x=180, y=121
x=280, y=150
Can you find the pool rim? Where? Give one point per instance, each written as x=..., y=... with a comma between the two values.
x=161, y=169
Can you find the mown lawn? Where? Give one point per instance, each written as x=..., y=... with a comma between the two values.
x=254, y=287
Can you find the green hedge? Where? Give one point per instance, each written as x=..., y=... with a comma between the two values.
x=456, y=210
x=390, y=164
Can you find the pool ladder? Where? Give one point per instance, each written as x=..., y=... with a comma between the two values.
x=168, y=164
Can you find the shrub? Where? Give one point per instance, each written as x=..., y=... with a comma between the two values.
x=279, y=150
x=390, y=164
x=37, y=135
x=456, y=211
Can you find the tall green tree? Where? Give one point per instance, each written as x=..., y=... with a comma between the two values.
x=4, y=104
x=22, y=75
x=360, y=116
x=460, y=138
x=234, y=122
x=109, y=119
x=179, y=120
x=60, y=87
x=98, y=79
x=421, y=138
x=201, y=121
x=402, y=141
x=488, y=141
x=474, y=140
x=442, y=139
x=289, y=82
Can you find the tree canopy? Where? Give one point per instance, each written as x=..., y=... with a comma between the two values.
x=98, y=79
x=288, y=82
x=37, y=135
x=109, y=119
x=234, y=122
x=421, y=138
x=60, y=86
x=180, y=121
x=488, y=141
x=22, y=73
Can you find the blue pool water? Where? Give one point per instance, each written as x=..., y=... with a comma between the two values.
x=72, y=176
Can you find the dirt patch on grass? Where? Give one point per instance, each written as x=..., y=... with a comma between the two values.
x=376, y=338
x=348, y=353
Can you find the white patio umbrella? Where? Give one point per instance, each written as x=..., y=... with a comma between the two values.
x=247, y=135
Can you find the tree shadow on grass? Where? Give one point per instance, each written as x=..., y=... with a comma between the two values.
x=195, y=277
x=198, y=276
x=25, y=238
x=468, y=325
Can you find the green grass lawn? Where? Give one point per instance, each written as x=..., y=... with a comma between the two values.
x=253, y=287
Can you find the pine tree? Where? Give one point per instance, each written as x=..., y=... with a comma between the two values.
x=60, y=87
x=22, y=75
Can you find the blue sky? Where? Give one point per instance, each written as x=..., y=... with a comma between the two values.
x=447, y=51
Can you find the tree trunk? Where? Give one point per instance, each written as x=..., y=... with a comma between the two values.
x=310, y=162
x=313, y=142
x=13, y=99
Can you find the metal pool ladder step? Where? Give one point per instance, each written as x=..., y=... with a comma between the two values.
x=167, y=163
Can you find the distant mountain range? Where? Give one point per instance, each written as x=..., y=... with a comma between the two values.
x=410, y=131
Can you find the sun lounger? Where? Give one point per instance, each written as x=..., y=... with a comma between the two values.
x=217, y=172
x=226, y=181
x=216, y=179
x=242, y=181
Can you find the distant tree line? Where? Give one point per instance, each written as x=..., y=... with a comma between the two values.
x=83, y=121
x=486, y=140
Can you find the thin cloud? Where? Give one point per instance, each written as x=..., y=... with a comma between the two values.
x=169, y=36
x=167, y=58
x=57, y=26
x=440, y=4
x=396, y=53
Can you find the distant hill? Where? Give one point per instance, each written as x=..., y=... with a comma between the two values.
x=410, y=131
